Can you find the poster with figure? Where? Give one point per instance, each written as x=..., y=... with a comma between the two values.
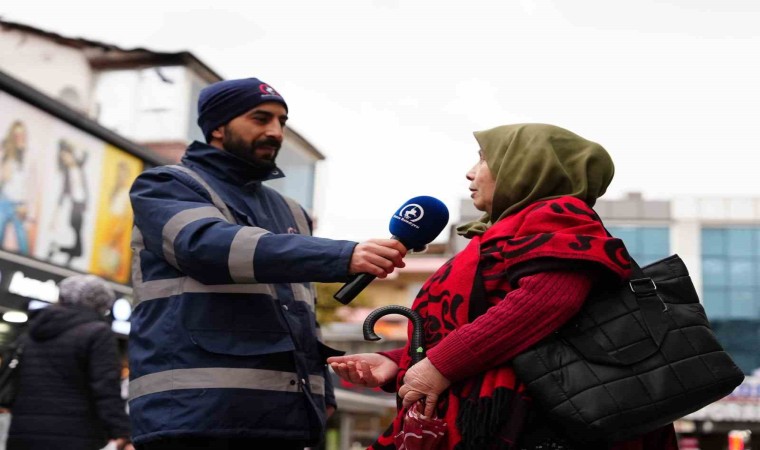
x=64, y=193
x=111, y=247
x=67, y=218
x=24, y=134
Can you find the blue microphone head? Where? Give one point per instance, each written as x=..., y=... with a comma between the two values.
x=419, y=221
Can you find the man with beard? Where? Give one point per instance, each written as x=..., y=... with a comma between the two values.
x=224, y=350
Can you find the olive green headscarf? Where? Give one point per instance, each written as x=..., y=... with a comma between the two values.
x=532, y=162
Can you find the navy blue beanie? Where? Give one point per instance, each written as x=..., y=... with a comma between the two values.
x=223, y=101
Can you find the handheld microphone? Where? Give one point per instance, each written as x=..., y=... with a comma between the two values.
x=415, y=225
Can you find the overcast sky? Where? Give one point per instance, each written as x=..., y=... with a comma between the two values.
x=391, y=90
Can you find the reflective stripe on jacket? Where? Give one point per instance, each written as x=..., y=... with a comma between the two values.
x=224, y=340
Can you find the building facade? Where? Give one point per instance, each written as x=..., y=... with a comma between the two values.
x=145, y=96
x=64, y=201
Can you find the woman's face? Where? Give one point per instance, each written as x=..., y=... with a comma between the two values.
x=68, y=158
x=482, y=185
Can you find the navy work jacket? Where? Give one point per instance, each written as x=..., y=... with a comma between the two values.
x=224, y=339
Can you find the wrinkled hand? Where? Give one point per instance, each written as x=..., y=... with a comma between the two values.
x=364, y=369
x=377, y=257
x=423, y=381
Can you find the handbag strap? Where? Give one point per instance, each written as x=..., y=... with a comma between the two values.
x=655, y=319
x=653, y=313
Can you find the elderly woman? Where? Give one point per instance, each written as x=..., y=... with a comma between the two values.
x=530, y=264
x=69, y=390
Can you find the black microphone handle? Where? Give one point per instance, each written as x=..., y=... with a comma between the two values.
x=350, y=290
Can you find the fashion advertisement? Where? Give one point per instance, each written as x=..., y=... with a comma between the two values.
x=24, y=132
x=64, y=194
x=70, y=187
x=111, y=245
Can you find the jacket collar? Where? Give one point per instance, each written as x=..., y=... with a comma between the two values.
x=225, y=165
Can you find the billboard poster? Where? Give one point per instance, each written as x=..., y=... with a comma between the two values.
x=63, y=192
x=111, y=246
x=69, y=191
x=24, y=136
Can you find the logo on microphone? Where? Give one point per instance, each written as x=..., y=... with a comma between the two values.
x=410, y=213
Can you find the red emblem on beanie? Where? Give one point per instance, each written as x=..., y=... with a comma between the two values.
x=268, y=90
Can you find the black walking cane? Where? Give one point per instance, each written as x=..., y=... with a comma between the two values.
x=418, y=334
x=434, y=429
x=418, y=339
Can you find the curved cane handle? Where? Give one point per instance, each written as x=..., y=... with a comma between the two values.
x=417, y=343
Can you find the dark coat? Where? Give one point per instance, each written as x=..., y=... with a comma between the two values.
x=69, y=394
x=224, y=341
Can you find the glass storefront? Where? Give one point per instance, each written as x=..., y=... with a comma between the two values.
x=731, y=280
x=645, y=244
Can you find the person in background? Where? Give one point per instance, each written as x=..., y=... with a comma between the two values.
x=14, y=201
x=224, y=350
x=69, y=382
x=119, y=226
x=538, y=250
x=73, y=198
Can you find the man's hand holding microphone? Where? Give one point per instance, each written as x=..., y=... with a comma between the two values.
x=413, y=226
x=377, y=257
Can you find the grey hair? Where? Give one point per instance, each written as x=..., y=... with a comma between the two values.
x=86, y=290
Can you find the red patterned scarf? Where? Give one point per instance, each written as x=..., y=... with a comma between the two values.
x=488, y=411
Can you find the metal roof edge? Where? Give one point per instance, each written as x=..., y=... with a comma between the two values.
x=131, y=57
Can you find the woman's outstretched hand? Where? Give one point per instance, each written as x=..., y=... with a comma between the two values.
x=423, y=381
x=364, y=369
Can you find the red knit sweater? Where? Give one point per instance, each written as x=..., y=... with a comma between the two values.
x=540, y=305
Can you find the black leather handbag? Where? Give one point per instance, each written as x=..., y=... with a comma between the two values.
x=9, y=374
x=635, y=358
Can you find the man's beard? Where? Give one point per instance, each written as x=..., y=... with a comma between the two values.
x=247, y=151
